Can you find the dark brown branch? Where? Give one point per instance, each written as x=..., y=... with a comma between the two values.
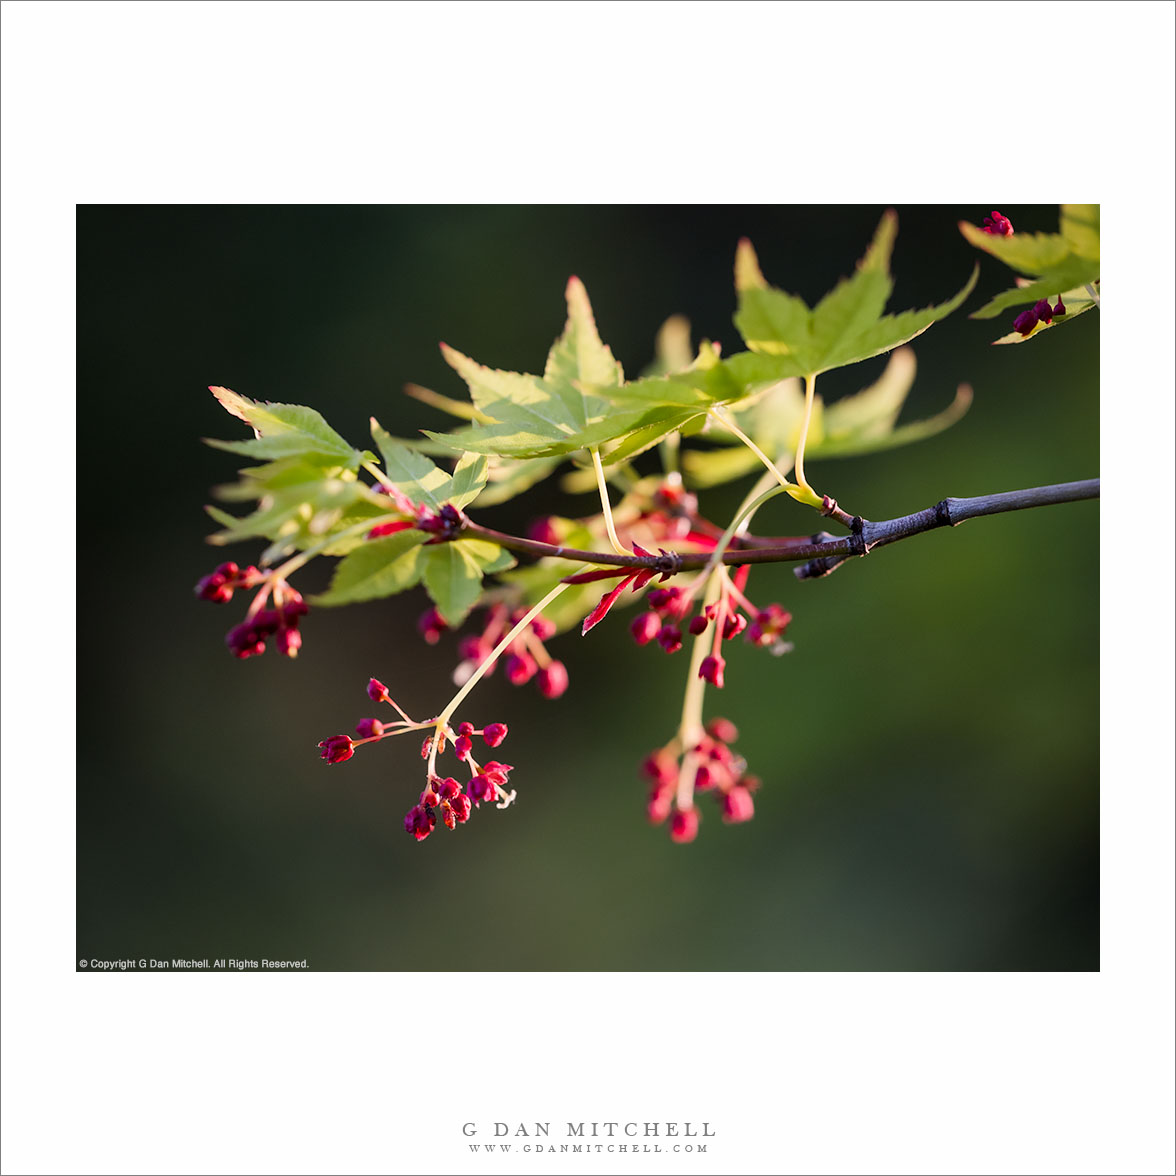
x=950, y=512
x=824, y=553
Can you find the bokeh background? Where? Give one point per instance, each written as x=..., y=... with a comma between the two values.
x=929, y=751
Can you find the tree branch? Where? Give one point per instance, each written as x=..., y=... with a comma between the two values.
x=950, y=512
x=823, y=552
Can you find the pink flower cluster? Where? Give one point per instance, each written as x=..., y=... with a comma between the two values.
x=524, y=660
x=1041, y=312
x=709, y=765
x=248, y=639
x=442, y=797
x=730, y=615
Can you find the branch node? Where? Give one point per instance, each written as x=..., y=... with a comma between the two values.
x=668, y=562
x=943, y=513
x=816, y=568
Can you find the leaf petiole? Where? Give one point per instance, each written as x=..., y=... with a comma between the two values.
x=605, y=505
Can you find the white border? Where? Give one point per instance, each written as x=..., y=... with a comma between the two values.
x=588, y=102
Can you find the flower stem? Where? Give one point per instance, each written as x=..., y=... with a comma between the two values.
x=378, y=474
x=760, y=493
x=605, y=506
x=690, y=727
x=472, y=681
x=811, y=496
x=725, y=421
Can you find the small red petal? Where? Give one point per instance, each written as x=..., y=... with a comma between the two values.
x=606, y=602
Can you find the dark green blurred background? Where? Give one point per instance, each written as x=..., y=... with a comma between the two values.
x=929, y=752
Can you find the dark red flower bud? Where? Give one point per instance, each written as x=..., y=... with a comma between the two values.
x=543, y=628
x=445, y=524
x=644, y=627
x=669, y=637
x=738, y=806
x=712, y=669
x=461, y=806
x=494, y=734
x=228, y=570
x=659, y=807
x=245, y=640
x=430, y=799
x=553, y=679
x=543, y=530
x=733, y=626
x=519, y=668
x=461, y=747
x=289, y=642
x=472, y=649
x=292, y=610
x=431, y=625
x=376, y=690
x=699, y=623
x=664, y=600
x=723, y=730
x=705, y=779
x=684, y=827
x=1025, y=322
x=369, y=728
x=1044, y=311
x=249, y=577
x=482, y=788
x=268, y=621
x=465, y=729
x=449, y=788
x=215, y=587
x=661, y=768
x=1060, y=308
x=420, y=822
x=998, y=225
x=337, y=749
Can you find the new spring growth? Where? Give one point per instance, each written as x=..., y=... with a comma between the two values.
x=525, y=659
x=280, y=622
x=1041, y=312
x=997, y=225
x=713, y=767
x=443, y=798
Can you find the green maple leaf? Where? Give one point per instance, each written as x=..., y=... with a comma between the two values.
x=285, y=430
x=422, y=480
x=567, y=408
x=376, y=568
x=845, y=327
x=865, y=422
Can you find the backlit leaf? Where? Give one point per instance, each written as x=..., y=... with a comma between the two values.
x=453, y=579
x=375, y=569
x=845, y=327
x=411, y=471
x=284, y=430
